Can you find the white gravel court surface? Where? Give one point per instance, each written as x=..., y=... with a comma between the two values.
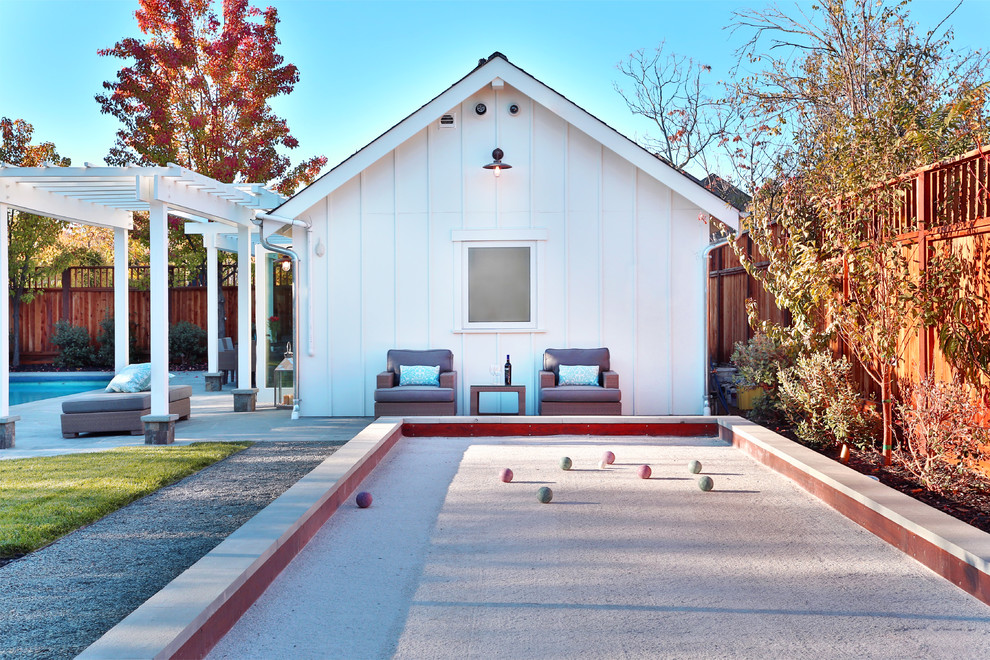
x=449, y=562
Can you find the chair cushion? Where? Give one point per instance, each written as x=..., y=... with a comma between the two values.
x=419, y=375
x=439, y=357
x=414, y=394
x=580, y=393
x=574, y=374
x=120, y=401
x=554, y=357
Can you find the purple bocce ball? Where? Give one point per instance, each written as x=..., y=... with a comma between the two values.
x=363, y=499
x=506, y=475
x=645, y=471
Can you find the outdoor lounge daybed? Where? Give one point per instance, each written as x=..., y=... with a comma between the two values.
x=598, y=396
x=392, y=397
x=121, y=412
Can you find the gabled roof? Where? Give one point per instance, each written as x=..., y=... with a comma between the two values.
x=498, y=66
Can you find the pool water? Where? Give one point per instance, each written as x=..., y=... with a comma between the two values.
x=24, y=391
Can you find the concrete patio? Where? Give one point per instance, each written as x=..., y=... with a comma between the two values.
x=38, y=433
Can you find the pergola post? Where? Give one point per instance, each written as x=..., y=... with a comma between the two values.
x=159, y=426
x=245, y=396
x=214, y=379
x=121, y=309
x=7, y=421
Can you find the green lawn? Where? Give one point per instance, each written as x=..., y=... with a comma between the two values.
x=42, y=499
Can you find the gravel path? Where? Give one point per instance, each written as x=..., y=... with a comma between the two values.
x=57, y=601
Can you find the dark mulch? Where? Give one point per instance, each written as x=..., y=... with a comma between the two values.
x=969, y=501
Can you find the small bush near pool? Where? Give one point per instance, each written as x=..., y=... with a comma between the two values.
x=42, y=499
x=186, y=342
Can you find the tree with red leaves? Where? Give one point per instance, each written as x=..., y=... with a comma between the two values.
x=197, y=94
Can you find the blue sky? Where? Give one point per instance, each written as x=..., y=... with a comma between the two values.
x=366, y=65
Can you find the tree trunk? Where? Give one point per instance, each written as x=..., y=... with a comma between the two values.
x=885, y=383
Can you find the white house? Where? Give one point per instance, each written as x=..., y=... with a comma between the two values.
x=606, y=250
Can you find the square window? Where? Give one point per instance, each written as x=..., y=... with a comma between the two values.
x=499, y=284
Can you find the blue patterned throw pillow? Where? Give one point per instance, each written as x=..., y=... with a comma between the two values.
x=132, y=378
x=578, y=374
x=419, y=375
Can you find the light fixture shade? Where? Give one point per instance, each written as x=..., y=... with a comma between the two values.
x=497, y=165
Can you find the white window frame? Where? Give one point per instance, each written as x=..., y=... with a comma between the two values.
x=534, y=239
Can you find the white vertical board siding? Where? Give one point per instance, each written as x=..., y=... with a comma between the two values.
x=550, y=212
x=478, y=138
x=515, y=138
x=314, y=370
x=652, y=388
x=378, y=248
x=619, y=271
x=691, y=235
x=445, y=215
x=344, y=253
x=620, y=266
x=584, y=157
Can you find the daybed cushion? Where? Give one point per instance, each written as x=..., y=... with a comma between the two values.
x=414, y=394
x=438, y=357
x=120, y=401
x=581, y=393
x=132, y=378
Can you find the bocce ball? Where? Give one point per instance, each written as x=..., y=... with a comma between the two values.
x=706, y=483
x=363, y=499
x=506, y=475
x=645, y=471
x=694, y=467
x=565, y=463
x=544, y=494
x=608, y=458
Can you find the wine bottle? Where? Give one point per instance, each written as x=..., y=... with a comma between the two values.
x=508, y=371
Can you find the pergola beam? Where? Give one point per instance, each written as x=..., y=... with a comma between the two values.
x=29, y=200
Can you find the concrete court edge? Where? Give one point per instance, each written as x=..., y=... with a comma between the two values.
x=965, y=569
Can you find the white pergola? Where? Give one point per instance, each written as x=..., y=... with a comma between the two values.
x=107, y=197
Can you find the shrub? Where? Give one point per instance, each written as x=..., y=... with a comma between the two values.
x=938, y=421
x=759, y=362
x=818, y=397
x=186, y=343
x=105, y=355
x=74, y=347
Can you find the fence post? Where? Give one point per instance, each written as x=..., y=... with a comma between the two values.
x=67, y=295
x=922, y=200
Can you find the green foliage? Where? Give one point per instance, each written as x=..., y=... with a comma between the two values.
x=940, y=435
x=186, y=343
x=75, y=351
x=44, y=498
x=818, y=397
x=28, y=235
x=858, y=96
x=105, y=354
x=760, y=360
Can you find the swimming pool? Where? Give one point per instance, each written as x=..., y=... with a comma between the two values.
x=25, y=388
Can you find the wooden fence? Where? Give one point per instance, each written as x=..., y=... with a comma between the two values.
x=941, y=207
x=84, y=296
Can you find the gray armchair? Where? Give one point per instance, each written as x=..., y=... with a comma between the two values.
x=391, y=399
x=605, y=398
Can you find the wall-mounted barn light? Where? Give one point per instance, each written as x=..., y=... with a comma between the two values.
x=497, y=163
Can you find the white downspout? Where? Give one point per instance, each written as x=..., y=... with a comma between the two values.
x=277, y=249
